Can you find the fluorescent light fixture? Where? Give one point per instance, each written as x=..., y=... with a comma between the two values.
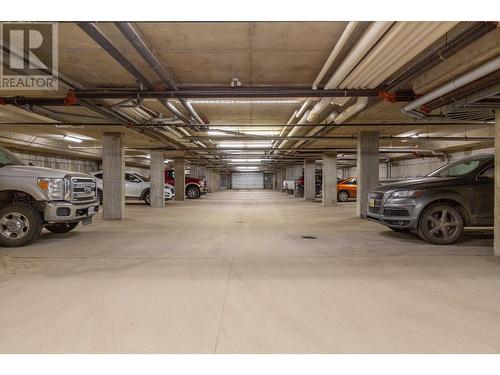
x=247, y=168
x=415, y=135
x=147, y=156
x=215, y=132
x=72, y=139
x=244, y=101
x=255, y=144
x=404, y=140
x=246, y=160
x=261, y=132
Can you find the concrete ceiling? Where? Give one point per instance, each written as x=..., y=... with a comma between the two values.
x=206, y=53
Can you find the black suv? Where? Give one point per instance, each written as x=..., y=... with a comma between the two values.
x=440, y=205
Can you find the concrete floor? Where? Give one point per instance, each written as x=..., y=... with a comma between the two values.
x=230, y=273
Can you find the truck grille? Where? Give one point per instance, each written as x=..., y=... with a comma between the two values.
x=83, y=189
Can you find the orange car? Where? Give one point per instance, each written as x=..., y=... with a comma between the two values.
x=347, y=188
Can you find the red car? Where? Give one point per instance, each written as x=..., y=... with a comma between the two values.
x=194, y=186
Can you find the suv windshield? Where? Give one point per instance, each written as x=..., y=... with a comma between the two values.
x=8, y=158
x=457, y=168
x=141, y=177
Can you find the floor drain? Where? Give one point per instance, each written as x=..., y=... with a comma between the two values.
x=239, y=222
x=309, y=237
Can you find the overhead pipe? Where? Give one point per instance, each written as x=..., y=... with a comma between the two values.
x=141, y=47
x=302, y=109
x=294, y=130
x=93, y=31
x=339, y=118
x=448, y=47
x=342, y=137
x=100, y=38
x=462, y=80
x=403, y=42
x=346, y=34
x=361, y=104
x=305, y=151
x=370, y=37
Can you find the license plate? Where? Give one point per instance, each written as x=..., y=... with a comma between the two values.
x=371, y=202
x=90, y=210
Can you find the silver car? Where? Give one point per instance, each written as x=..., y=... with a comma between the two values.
x=136, y=187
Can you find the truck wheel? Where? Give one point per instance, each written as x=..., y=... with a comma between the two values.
x=147, y=196
x=343, y=196
x=440, y=224
x=192, y=192
x=20, y=224
x=61, y=227
x=100, y=195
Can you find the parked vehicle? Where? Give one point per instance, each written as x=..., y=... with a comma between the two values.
x=440, y=205
x=299, y=183
x=136, y=187
x=35, y=197
x=347, y=188
x=195, y=187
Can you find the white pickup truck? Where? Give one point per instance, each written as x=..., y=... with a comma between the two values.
x=136, y=187
x=35, y=197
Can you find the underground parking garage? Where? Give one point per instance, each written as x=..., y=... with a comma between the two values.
x=251, y=187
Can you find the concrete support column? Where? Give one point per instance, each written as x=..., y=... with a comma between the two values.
x=329, y=179
x=279, y=179
x=113, y=168
x=215, y=181
x=297, y=172
x=496, y=241
x=194, y=170
x=210, y=182
x=157, y=178
x=309, y=180
x=180, y=179
x=202, y=171
x=367, y=167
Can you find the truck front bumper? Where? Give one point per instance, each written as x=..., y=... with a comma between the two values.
x=203, y=190
x=59, y=212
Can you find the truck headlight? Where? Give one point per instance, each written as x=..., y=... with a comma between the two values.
x=407, y=194
x=54, y=187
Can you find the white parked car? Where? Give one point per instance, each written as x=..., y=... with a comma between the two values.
x=136, y=187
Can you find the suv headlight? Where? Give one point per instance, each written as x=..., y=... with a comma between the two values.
x=54, y=187
x=407, y=194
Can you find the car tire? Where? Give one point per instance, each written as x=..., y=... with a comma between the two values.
x=100, y=196
x=192, y=192
x=146, y=196
x=61, y=227
x=343, y=196
x=20, y=224
x=440, y=224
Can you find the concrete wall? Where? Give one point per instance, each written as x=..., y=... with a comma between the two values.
x=66, y=163
x=69, y=163
x=410, y=168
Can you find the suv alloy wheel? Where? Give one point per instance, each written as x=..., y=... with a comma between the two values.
x=440, y=224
